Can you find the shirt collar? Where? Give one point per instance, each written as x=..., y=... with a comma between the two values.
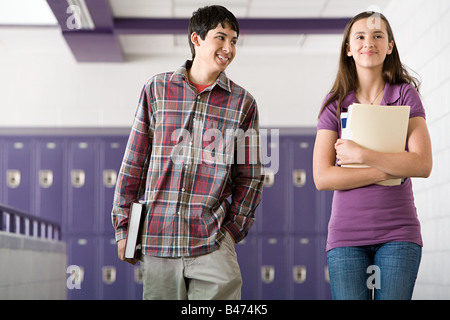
x=390, y=96
x=181, y=75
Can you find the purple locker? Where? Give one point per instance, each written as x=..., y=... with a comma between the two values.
x=247, y=254
x=82, y=177
x=134, y=281
x=82, y=278
x=324, y=277
x=304, y=271
x=18, y=166
x=275, y=201
x=254, y=230
x=112, y=273
x=273, y=267
x=326, y=199
x=304, y=192
x=49, y=179
x=112, y=150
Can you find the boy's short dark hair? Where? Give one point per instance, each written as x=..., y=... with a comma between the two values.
x=207, y=18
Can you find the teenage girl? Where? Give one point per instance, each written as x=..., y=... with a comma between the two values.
x=373, y=232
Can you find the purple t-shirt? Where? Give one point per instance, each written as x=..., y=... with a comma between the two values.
x=374, y=214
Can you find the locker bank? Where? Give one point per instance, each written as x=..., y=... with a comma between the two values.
x=71, y=181
x=71, y=75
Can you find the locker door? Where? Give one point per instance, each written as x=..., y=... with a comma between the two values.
x=258, y=216
x=303, y=269
x=323, y=277
x=272, y=268
x=274, y=202
x=247, y=254
x=112, y=150
x=82, y=181
x=303, y=215
x=112, y=273
x=18, y=180
x=134, y=278
x=49, y=178
x=324, y=210
x=82, y=263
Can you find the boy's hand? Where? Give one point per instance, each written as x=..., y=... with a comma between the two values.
x=121, y=252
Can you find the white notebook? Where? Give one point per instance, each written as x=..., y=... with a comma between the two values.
x=135, y=220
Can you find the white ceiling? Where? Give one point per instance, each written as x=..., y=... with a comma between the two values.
x=26, y=12
x=246, y=8
x=37, y=13
x=254, y=44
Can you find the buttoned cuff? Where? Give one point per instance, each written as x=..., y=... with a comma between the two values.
x=121, y=234
x=234, y=231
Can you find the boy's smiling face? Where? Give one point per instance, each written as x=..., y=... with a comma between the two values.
x=218, y=48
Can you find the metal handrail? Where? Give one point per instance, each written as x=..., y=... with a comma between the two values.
x=13, y=220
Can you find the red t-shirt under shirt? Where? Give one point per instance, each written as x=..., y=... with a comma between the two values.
x=200, y=87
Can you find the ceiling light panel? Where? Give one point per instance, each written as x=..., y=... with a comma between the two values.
x=141, y=8
x=286, y=8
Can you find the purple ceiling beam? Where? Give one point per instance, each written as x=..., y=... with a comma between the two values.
x=97, y=45
x=151, y=26
x=247, y=26
x=100, y=13
x=101, y=43
x=293, y=26
x=59, y=9
x=88, y=46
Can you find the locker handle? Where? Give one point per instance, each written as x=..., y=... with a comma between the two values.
x=45, y=178
x=299, y=273
x=267, y=274
x=109, y=178
x=299, y=177
x=269, y=178
x=13, y=178
x=78, y=178
x=109, y=274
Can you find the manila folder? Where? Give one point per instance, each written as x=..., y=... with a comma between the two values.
x=379, y=128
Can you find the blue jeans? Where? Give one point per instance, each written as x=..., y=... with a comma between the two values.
x=390, y=268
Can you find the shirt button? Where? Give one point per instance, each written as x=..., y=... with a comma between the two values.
x=183, y=189
x=179, y=213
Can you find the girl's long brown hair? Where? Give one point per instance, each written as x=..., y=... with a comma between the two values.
x=347, y=79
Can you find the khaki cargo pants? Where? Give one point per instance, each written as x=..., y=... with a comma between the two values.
x=211, y=276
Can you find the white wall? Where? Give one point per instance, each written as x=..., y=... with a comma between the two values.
x=421, y=30
x=42, y=85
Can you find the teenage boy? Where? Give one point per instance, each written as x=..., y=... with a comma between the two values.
x=194, y=154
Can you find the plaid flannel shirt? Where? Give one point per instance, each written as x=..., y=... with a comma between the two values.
x=196, y=159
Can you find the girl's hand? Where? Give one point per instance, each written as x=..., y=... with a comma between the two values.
x=348, y=152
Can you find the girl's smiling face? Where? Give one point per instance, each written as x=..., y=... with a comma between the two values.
x=368, y=43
